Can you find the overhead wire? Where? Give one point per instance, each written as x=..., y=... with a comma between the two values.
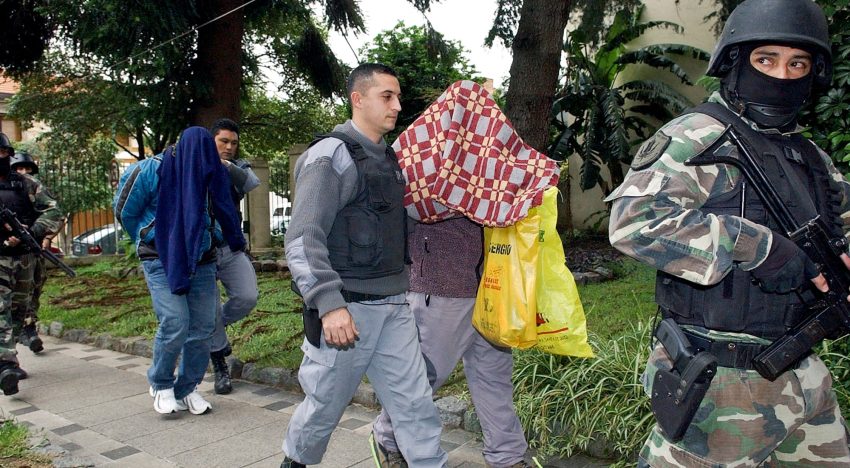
x=114, y=66
x=157, y=46
x=183, y=34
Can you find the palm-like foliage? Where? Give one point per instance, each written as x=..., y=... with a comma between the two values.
x=829, y=118
x=595, y=116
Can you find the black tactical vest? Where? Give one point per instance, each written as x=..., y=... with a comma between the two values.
x=369, y=235
x=13, y=194
x=736, y=303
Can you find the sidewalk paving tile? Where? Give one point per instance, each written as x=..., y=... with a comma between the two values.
x=140, y=460
x=345, y=449
x=45, y=419
x=278, y=405
x=267, y=391
x=107, y=446
x=89, y=438
x=120, y=452
x=458, y=436
x=100, y=412
x=91, y=358
x=254, y=445
x=24, y=410
x=352, y=423
x=107, y=411
x=139, y=425
x=65, y=430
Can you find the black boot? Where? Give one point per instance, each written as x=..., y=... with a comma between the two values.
x=290, y=463
x=222, y=386
x=8, y=378
x=22, y=374
x=29, y=337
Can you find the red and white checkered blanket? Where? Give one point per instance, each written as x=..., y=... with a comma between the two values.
x=463, y=156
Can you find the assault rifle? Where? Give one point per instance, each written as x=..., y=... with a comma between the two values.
x=829, y=315
x=18, y=230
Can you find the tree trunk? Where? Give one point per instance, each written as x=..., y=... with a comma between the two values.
x=534, y=71
x=219, y=65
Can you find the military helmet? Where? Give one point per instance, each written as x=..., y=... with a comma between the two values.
x=4, y=142
x=22, y=158
x=794, y=22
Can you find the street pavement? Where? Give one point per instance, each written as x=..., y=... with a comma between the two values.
x=92, y=407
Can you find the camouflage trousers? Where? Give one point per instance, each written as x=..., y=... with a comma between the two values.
x=746, y=420
x=16, y=285
x=38, y=280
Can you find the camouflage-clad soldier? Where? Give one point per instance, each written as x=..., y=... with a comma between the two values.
x=26, y=300
x=726, y=277
x=38, y=210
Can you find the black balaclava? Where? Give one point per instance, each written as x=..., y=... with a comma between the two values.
x=769, y=102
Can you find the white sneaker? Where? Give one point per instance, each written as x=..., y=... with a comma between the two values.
x=164, y=401
x=196, y=403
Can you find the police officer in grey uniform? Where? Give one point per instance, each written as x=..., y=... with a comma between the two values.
x=233, y=269
x=346, y=251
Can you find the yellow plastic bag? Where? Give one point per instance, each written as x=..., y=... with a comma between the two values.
x=506, y=305
x=561, y=326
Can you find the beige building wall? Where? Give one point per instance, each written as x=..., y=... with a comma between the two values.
x=586, y=206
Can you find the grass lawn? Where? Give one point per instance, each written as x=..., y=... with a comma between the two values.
x=102, y=302
x=611, y=307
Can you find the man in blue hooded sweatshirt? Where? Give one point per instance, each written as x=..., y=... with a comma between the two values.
x=183, y=191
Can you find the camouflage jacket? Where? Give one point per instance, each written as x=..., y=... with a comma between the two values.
x=50, y=217
x=656, y=217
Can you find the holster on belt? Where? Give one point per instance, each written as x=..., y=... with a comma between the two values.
x=312, y=321
x=678, y=392
x=312, y=325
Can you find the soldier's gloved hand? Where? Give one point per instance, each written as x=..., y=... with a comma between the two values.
x=786, y=267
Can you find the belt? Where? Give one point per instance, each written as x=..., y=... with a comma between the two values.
x=351, y=296
x=728, y=353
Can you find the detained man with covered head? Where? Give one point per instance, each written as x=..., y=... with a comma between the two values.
x=166, y=204
x=346, y=250
x=729, y=278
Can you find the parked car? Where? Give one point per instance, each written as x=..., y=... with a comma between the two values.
x=280, y=220
x=56, y=251
x=98, y=241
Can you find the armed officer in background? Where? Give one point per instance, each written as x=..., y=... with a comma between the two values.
x=727, y=277
x=25, y=314
x=36, y=209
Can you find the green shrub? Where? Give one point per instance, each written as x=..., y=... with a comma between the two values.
x=595, y=405
x=836, y=355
